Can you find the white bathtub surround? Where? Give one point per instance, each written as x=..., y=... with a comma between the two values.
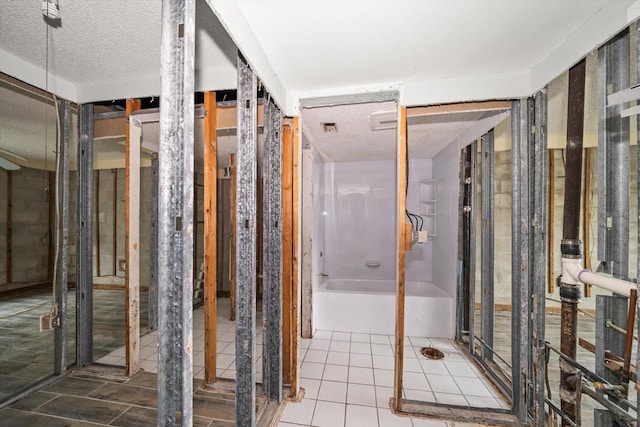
x=369, y=307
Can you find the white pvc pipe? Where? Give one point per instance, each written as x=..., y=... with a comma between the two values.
x=573, y=273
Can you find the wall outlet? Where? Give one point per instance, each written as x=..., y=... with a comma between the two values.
x=46, y=322
x=122, y=265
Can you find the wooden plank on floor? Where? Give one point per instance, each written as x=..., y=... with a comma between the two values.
x=232, y=235
x=210, y=238
x=132, y=244
x=287, y=249
x=295, y=274
x=400, y=267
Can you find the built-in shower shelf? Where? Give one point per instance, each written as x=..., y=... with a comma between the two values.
x=427, y=206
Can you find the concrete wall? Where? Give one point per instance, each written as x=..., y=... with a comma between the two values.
x=502, y=254
x=29, y=226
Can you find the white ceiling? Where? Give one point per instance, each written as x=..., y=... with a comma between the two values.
x=432, y=51
x=427, y=132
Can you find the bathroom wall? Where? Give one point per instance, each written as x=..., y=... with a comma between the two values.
x=360, y=219
x=446, y=170
x=418, y=260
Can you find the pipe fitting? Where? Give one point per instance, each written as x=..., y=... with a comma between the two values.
x=570, y=269
x=571, y=248
x=570, y=293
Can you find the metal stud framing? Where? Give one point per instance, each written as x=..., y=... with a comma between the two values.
x=272, y=253
x=637, y=36
x=62, y=237
x=538, y=264
x=245, y=245
x=520, y=252
x=473, y=219
x=487, y=242
x=613, y=158
x=175, y=215
x=84, y=251
x=153, y=247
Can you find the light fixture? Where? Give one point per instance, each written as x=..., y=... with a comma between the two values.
x=50, y=9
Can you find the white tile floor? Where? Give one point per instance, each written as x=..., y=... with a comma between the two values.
x=347, y=377
x=348, y=381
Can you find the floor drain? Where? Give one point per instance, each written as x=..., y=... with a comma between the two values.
x=432, y=353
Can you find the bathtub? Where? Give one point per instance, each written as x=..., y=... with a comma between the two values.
x=369, y=306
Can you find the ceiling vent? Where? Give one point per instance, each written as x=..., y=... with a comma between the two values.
x=382, y=120
x=329, y=127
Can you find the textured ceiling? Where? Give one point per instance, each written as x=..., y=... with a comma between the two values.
x=105, y=50
x=355, y=140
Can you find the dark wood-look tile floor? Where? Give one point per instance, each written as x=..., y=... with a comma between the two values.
x=91, y=397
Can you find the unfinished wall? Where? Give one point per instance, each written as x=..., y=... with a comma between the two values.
x=29, y=226
x=502, y=252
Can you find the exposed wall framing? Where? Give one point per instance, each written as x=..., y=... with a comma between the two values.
x=84, y=249
x=400, y=262
x=175, y=215
x=61, y=252
x=210, y=237
x=246, y=245
x=132, y=240
x=272, y=264
x=287, y=251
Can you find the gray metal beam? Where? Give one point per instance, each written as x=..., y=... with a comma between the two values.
x=246, y=167
x=637, y=37
x=520, y=132
x=62, y=238
x=473, y=220
x=487, y=241
x=153, y=247
x=272, y=253
x=613, y=158
x=84, y=238
x=175, y=215
x=539, y=265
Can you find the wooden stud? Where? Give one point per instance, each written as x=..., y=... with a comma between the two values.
x=400, y=267
x=232, y=236
x=287, y=248
x=210, y=238
x=9, y=221
x=295, y=274
x=131, y=245
x=97, y=222
x=586, y=218
x=551, y=281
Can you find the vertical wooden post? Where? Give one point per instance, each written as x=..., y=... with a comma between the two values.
x=97, y=222
x=131, y=237
x=551, y=226
x=295, y=279
x=232, y=236
x=400, y=286
x=9, y=221
x=586, y=218
x=287, y=247
x=210, y=238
